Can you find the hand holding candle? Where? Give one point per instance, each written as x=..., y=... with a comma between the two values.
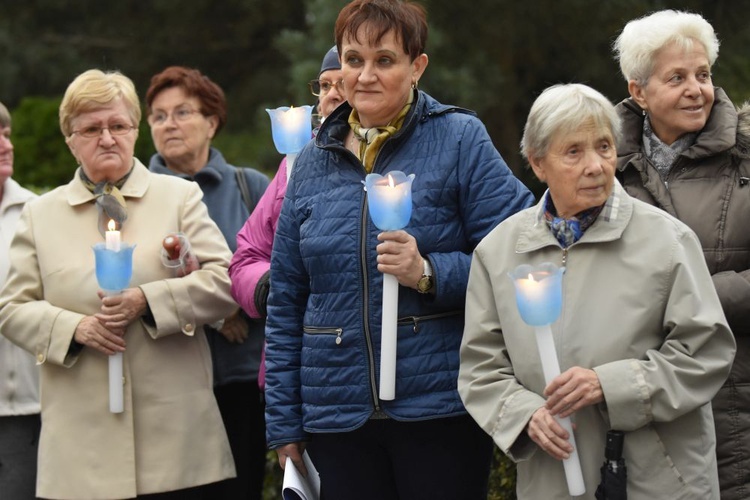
x=539, y=300
x=177, y=255
x=389, y=204
x=114, y=268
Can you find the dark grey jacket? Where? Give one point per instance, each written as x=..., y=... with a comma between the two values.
x=708, y=188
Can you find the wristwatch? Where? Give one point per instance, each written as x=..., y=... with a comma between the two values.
x=425, y=283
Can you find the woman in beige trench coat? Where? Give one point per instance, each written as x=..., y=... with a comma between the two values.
x=170, y=437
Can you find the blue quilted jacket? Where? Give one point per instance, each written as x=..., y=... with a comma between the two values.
x=324, y=310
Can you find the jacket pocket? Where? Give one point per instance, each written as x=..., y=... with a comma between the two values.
x=325, y=330
x=416, y=321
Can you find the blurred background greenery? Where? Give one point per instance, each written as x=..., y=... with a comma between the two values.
x=492, y=56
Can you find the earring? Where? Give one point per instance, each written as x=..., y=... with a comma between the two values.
x=415, y=84
x=644, y=112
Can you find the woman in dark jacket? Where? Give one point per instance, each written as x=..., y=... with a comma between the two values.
x=684, y=149
x=324, y=309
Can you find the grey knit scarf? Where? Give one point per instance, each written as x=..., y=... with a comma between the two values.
x=662, y=156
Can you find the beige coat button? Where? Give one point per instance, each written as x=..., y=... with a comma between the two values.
x=188, y=328
x=40, y=358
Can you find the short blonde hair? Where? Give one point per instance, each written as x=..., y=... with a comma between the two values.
x=94, y=89
x=566, y=107
x=641, y=39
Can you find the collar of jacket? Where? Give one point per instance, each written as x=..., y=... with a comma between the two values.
x=609, y=226
x=719, y=134
x=335, y=128
x=135, y=187
x=212, y=173
x=14, y=194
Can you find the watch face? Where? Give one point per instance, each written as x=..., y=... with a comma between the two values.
x=424, y=284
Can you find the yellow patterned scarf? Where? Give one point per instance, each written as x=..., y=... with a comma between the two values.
x=372, y=139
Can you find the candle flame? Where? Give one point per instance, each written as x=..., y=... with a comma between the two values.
x=531, y=277
x=111, y=225
x=390, y=181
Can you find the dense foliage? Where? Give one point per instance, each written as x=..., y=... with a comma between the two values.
x=492, y=56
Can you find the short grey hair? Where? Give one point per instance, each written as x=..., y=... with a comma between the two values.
x=641, y=39
x=4, y=116
x=566, y=107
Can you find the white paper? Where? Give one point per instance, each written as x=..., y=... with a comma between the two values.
x=298, y=487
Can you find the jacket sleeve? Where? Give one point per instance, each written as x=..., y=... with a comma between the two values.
x=692, y=363
x=26, y=318
x=203, y=296
x=286, y=308
x=489, y=193
x=252, y=259
x=486, y=380
x=734, y=292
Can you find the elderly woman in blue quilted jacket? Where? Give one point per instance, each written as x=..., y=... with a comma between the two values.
x=324, y=310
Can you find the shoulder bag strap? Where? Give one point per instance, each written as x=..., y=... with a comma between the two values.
x=244, y=190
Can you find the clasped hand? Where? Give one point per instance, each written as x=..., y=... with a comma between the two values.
x=567, y=393
x=105, y=330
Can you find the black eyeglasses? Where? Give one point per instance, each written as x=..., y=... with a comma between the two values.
x=322, y=87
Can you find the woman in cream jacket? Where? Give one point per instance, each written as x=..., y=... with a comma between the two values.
x=170, y=438
x=642, y=342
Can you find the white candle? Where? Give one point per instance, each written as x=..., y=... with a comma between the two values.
x=388, y=338
x=551, y=368
x=112, y=242
x=112, y=237
x=115, y=383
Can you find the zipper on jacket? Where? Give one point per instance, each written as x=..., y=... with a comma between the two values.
x=325, y=330
x=428, y=317
x=366, y=306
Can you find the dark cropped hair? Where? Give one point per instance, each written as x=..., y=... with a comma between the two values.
x=195, y=84
x=407, y=19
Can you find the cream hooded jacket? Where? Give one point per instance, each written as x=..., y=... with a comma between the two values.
x=640, y=309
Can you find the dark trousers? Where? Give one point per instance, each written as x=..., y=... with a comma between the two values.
x=243, y=411
x=19, y=443
x=441, y=459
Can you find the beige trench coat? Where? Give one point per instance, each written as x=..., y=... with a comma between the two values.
x=170, y=435
x=639, y=308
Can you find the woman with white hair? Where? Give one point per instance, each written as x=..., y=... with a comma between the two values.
x=642, y=341
x=685, y=150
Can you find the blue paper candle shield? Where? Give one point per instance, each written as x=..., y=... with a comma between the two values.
x=538, y=292
x=291, y=128
x=113, y=268
x=389, y=199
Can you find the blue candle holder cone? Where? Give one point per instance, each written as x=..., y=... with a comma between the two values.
x=291, y=128
x=113, y=268
x=538, y=292
x=389, y=199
